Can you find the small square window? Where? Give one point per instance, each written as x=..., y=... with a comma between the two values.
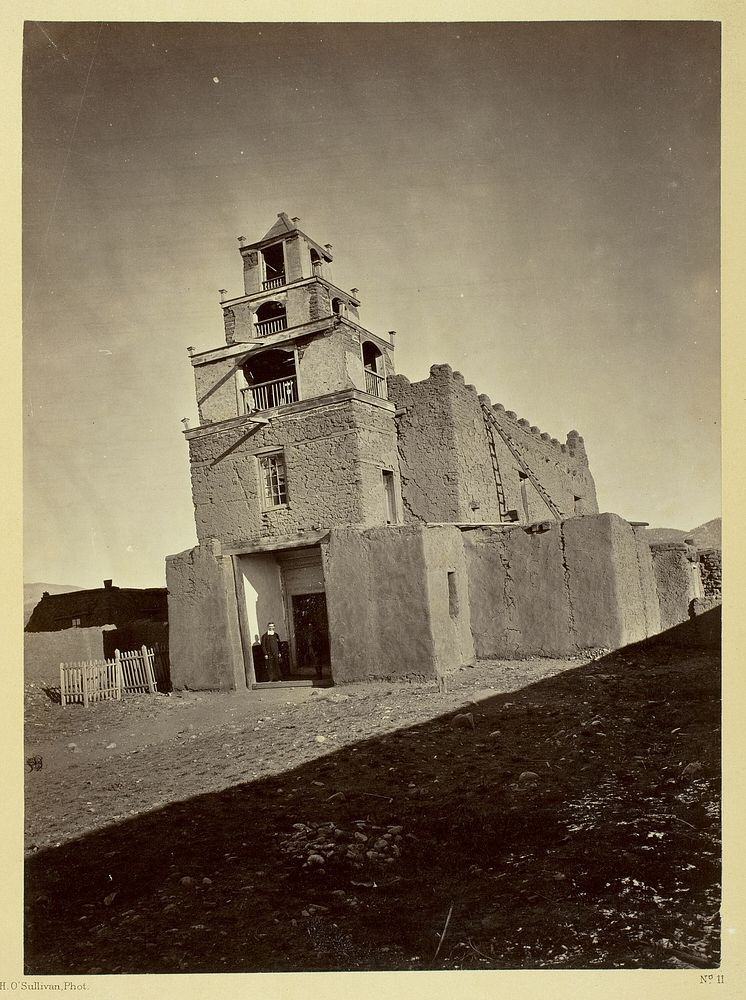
x=76, y=622
x=274, y=485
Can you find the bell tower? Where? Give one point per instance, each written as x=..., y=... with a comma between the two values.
x=296, y=432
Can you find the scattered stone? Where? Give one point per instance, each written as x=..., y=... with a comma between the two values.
x=465, y=720
x=693, y=768
x=320, y=739
x=187, y=881
x=316, y=859
x=111, y=746
x=206, y=881
x=525, y=777
x=72, y=746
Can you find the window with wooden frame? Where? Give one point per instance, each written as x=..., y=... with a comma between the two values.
x=274, y=480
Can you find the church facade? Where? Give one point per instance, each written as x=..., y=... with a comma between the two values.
x=371, y=518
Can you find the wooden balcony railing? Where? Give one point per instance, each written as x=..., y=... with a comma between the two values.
x=273, y=282
x=375, y=384
x=265, y=395
x=270, y=326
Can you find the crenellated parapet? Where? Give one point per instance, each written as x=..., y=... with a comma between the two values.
x=446, y=461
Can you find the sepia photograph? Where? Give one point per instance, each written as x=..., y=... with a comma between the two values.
x=372, y=545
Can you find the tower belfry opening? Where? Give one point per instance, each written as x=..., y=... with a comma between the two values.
x=273, y=259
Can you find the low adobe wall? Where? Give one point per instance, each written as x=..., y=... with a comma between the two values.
x=674, y=577
x=44, y=651
x=205, y=648
x=397, y=601
x=583, y=583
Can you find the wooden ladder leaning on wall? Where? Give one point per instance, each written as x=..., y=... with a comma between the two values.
x=492, y=425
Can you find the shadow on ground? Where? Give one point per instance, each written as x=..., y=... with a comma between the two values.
x=574, y=825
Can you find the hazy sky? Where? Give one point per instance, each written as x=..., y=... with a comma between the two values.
x=536, y=204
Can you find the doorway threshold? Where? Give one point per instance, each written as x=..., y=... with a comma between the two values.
x=324, y=682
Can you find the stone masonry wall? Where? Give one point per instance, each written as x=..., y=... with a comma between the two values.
x=711, y=568
x=328, y=451
x=446, y=468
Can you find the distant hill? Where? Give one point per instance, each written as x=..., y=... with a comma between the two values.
x=705, y=536
x=32, y=594
x=708, y=535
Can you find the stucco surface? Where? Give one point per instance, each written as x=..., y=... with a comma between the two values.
x=44, y=651
x=450, y=617
x=518, y=593
x=216, y=387
x=446, y=467
x=380, y=619
x=332, y=455
x=205, y=644
x=635, y=581
x=322, y=365
x=580, y=584
x=673, y=577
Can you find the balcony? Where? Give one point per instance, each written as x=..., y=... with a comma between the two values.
x=269, y=326
x=266, y=395
x=273, y=282
x=375, y=384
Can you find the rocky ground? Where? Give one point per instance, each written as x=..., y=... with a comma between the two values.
x=539, y=814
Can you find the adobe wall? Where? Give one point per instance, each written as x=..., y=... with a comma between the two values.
x=44, y=651
x=205, y=643
x=216, y=389
x=580, y=584
x=450, y=615
x=673, y=576
x=445, y=462
x=631, y=571
x=518, y=593
x=387, y=601
x=323, y=364
x=426, y=447
x=332, y=454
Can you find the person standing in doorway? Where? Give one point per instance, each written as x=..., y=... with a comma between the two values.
x=272, y=653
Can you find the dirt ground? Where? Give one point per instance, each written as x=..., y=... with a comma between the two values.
x=537, y=814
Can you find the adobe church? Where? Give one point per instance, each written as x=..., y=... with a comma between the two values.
x=389, y=529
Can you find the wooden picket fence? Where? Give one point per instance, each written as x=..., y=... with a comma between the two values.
x=106, y=680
